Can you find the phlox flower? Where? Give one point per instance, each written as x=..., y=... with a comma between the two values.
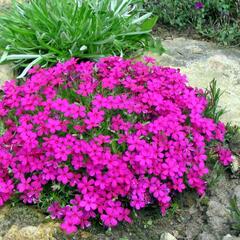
x=89, y=202
x=225, y=156
x=85, y=185
x=115, y=134
x=56, y=210
x=199, y=5
x=64, y=175
x=24, y=184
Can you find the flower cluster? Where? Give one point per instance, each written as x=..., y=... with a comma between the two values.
x=199, y=5
x=119, y=134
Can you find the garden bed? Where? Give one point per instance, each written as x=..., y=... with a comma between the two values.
x=93, y=191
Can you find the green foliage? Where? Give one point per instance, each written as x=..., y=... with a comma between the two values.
x=2, y=130
x=47, y=31
x=218, y=19
x=233, y=138
x=213, y=95
x=54, y=193
x=235, y=212
x=176, y=13
x=213, y=111
x=217, y=171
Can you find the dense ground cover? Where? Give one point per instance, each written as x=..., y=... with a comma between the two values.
x=94, y=140
x=218, y=20
x=97, y=141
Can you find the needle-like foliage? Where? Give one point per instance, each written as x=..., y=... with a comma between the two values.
x=47, y=31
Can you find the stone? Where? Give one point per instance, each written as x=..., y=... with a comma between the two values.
x=175, y=233
x=219, y=217
x=3, y=212
x=7, y=2
x=206, y=236
x=230, y=237
x=167, y=236
x=235, y=166
x=6, y=73
x=41, y=232
x=202, y=62
x=194, y=49
x=19, y=217
x=194, y=228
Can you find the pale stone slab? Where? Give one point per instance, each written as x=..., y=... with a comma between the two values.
x=202, y=62
x=6, y=73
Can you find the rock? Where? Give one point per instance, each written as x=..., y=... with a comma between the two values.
x=219, y=217
x=206, y=236
x=194, y=228
x=230, y=237
x=167, y=236
x=6, y=73
x=175, y=233
x=41, y=232
x=26, y=223
x=3, y=212
x=4, y=3
x=235, y=166
x=202, y=62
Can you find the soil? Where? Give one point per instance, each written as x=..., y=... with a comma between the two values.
x=165, y=33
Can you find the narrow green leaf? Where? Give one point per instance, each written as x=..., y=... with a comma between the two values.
x=4, y=56
x=21, y=56
x=30, y=65
x=142, y=18
x=110, y=39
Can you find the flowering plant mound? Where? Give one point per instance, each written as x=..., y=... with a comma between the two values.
x=116, y=134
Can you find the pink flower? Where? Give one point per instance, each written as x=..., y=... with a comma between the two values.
x=199, y=5
x=64, y=175
x=24, y=184
x=106, y=137
x=85, y=186
x=89, y=202
x=56, y=211
x=109, y=219
x=68, y=227
x=225, y=156
x=53, y=125
x=94, y=118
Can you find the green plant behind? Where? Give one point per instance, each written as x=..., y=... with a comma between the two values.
x=47, y=31
x=213, y=95
x=218, y=20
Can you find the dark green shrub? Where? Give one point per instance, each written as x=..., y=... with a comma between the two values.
x=217, y=19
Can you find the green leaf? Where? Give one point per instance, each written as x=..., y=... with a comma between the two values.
x=20, y=56
x=29, y=66
x=104, y=41
x=142, y=18
x=149, y=23
x=58, y=29
x=4, y=56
